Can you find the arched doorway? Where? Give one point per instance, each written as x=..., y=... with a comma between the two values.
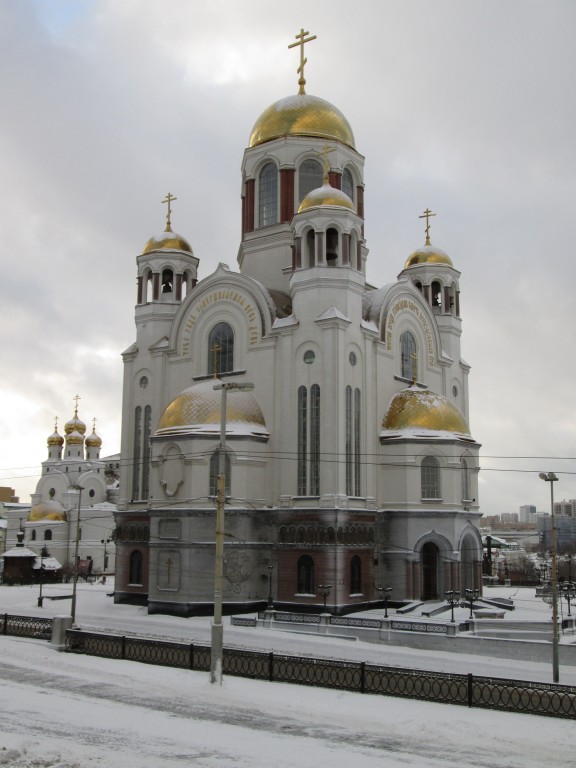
x=430, y=558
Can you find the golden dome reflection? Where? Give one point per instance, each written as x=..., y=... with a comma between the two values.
x=197, y=410
x=421, y=409
x=302, y=115
x=326, y=195
x=47, y=510
x=428, y=254
x=167, y=241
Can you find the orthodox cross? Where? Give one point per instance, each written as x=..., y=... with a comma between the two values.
x=325, y=152
x=55, y=423
x=169, y=564
x=426, y=215
x=302, y=39
x=76, y=398
x=168, y=199
x=215, y=359
x=94, y=424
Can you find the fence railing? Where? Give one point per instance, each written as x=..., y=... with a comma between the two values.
x=465, y=690
x=26, y=626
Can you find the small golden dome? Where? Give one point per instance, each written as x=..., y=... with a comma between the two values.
x=74, y=438
x=47, y=510
x=55, y=439
x=167, y=241
x=197, y=409
x=302, y=115
x=326, y=195
x=428, y=254
x=93, y=440
x=421, y=409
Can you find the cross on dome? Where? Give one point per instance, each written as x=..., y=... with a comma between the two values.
x=168, y=199
x=301, y=40
x=426, y=215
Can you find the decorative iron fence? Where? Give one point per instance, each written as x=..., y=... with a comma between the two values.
x=465, y=690
x=27, y=626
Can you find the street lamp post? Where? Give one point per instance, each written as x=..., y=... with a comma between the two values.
x=384, y=593
x=217, y=632
x=324, y=591
x=452, y=597
x=270, y=599
x=550, y=477
x=78, y=488
x=471, y=595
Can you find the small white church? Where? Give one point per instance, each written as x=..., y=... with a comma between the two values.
x=350, y=467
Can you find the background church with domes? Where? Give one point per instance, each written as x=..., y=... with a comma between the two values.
x=350, y=465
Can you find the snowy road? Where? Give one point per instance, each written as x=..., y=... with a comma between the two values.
x=66, y=711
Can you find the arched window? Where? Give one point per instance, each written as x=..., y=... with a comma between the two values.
x=348, y=183
x=357, y=445
x=135, y=574
x=349, y=439
x=310, y=248
x=146, y=451
x=465, y=470
x=214, y=471
x=310, y=176
x=430, y=477
x=268, y=195
x=302, y=440
x=308, y=436
x=332, y=245
x=408, y=356
x=137, y=458
x=314, y=440
x=221, y=349
x=355, y=575
x=47, y=535
x=167, y=281
x=436, y=294
x=33, y=536
x=305, y=575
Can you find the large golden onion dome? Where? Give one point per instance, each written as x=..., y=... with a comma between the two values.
x=428, y=254
x=420, y=409
x=302, y=115
x=55, y=439
x=167, y=241
x=75, y=425
x=74, y=438
x=326, y=195
x=47, y=510
x=198, y=410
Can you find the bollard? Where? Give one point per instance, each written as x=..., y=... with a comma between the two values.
x=59, y=626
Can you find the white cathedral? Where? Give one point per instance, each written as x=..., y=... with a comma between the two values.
x=349, y=467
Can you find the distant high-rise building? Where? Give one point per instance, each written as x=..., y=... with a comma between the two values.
x=527, y=513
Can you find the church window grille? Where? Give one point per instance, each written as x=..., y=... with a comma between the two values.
x=305, y=584
x=146, y=452
x=465, y=479
x=214, y=471
x=135, y=572
x=310, y=176
x=137, y=455
x=315, y=440
x=357, y=445
x=349, y=441
x=408, y=356
x=221, y=349
x=430, y=478
x=268, y=195
x=355, y=575
x=348, y=183
x=308, y=436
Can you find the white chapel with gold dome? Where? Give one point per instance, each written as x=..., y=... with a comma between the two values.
x=350, y=467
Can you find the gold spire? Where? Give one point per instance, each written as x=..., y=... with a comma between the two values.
x=168, y=199
x=426, y=215
x=94, y=425
x=301, y=40
x=76, y=398
x=55, y=423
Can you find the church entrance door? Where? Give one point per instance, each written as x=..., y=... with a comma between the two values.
x=430, y=560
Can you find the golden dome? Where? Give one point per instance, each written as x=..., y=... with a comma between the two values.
x=326, y=195
x=47, y=510
x=55, y=439
x=93, y=441
x=302, y=115
x=421, y=409
x=428, y=254
x=197, y=410
x=167, y=241
x=74, y=438
x=75, y=425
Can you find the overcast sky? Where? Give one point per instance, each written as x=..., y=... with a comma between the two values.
x=463, y=106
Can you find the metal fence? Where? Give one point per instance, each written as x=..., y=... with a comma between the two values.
x=27, y=626
x=465, y=690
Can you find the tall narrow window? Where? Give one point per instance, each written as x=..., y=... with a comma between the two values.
x=305, y=585
x=146, y=451
x=408, y=356
x=214, y=471
x=137, y=460
x=357, y=444
x=221, y=349
x=310, y=176
x=135, y=573
x=302, y=440
x=349, y=443
x=348, y=183
x=268, y=195
x=355, y=575
x=465, y=470
x=47, y=535
x=430, y=476
x=315, y=440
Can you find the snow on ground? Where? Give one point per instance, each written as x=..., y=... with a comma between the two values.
x=66, y=711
